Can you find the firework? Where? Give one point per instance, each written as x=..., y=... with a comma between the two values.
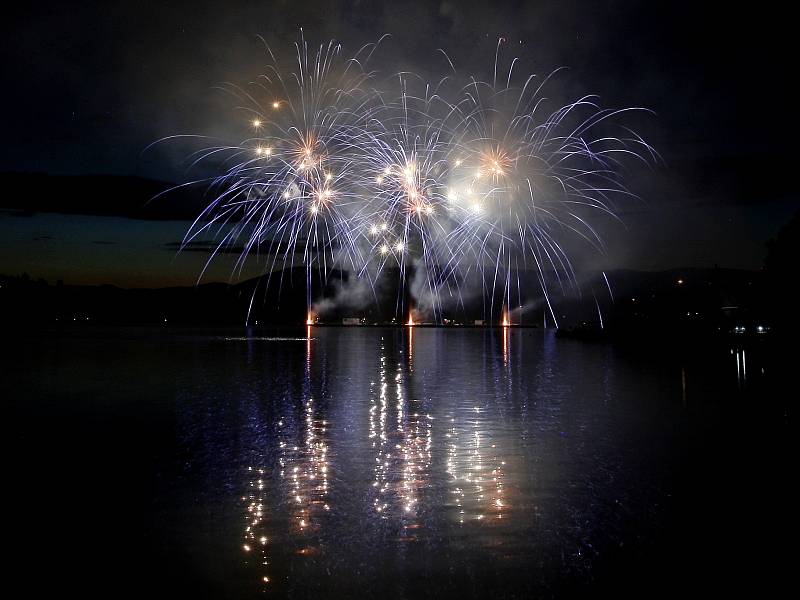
x=446, y=184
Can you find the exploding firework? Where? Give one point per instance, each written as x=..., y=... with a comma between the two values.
x=446, y=186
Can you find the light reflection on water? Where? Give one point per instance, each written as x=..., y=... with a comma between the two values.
x=402, y=441
x=477, y=472
x=461, y=453
x=434, y=432
x=388, y=463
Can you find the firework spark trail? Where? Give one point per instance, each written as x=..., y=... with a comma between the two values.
x=442, y=183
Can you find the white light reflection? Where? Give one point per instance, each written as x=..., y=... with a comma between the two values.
x=256, y=540
x=477, y=471
x=506, y=336
x=304, y=471
x=741, y=366
x=402, y=449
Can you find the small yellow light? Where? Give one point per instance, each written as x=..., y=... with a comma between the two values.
x=276, y=105
x=256, y=123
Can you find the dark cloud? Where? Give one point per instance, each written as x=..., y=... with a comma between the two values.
x=99, y=195
x=206, y=247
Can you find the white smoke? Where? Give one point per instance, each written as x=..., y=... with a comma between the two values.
x=354, y=293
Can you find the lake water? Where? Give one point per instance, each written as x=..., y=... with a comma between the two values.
x=391, y=463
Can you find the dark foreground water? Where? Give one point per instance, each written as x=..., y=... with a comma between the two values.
x=391, y=463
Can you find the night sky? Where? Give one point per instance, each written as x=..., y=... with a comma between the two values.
x=87, y=87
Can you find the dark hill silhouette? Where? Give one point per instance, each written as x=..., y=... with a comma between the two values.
x=102, y=195
x=680, y=300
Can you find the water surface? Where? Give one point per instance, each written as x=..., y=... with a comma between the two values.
x=388, y=463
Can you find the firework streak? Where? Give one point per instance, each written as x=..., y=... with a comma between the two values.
x=451, y=183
